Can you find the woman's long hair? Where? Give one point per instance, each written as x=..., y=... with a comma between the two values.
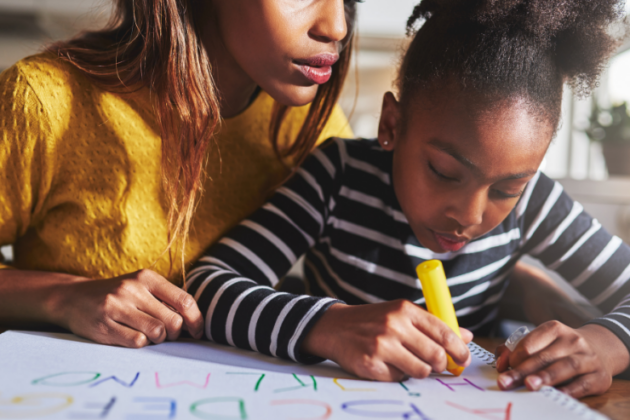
x=157, y=44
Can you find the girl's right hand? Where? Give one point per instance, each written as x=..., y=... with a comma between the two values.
x=386, y=341
x=132, y=310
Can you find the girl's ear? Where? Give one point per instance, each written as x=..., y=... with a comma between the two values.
x=389, y=124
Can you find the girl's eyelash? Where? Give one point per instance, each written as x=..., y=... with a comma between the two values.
x=501, y=194
x=435, y=171
x=507, y=196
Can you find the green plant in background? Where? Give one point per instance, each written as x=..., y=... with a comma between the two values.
x=610, y=125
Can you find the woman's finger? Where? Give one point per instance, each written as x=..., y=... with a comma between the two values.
x=177, y=298
x=113, y=333
x=171, y=320
x=152, y=328
x=561, y=371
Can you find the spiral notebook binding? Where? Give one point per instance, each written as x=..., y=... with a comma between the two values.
x=571, y=404
x=582, y=411
x=483, y=354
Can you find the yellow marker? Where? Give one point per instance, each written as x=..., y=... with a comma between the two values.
x=439, y=303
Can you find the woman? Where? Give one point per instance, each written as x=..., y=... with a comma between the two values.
x=104, y=141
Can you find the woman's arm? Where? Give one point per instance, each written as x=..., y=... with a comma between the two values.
x=129, y=310
x=126, y=310
x=566, y=239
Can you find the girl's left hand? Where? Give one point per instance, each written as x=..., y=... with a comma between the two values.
x=580, y=361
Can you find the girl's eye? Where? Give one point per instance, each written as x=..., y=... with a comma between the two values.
x=504, y=196
x=440, y=175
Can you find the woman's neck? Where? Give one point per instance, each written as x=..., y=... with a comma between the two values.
x=234, y=87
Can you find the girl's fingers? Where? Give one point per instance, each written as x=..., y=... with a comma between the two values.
x=152, y=328
x=502, y=355
x=408, y=364
x=539, y=339
x=426, y=350
x=393, y=374
x=589, y=384
x=467, y=335
x=441, y=334
x=535, y=363
x=379, y=370
x=171, y=320
x=560, y=371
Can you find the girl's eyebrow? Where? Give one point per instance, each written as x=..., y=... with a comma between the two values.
x=450, y=150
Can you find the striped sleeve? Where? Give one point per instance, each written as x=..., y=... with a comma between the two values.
x=233, y=282
x=558, y=232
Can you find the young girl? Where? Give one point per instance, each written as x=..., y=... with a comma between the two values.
x=453, y=176
x=104, y=142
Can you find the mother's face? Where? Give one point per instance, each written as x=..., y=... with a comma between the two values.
x=287, y=47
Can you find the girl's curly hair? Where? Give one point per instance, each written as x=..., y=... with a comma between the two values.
x=511, y=48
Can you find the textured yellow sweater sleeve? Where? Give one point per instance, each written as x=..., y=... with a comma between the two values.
x=24, y=172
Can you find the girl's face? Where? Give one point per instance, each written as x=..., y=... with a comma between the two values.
x=287, y=47
x=458, y=174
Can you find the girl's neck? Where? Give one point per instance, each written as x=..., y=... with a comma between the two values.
x=233, y=86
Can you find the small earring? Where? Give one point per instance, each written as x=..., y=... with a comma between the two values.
x=386, y=142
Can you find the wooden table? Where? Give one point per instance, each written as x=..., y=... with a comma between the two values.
x=615, y=403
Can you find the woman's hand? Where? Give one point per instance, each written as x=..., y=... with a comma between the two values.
x=386, y=341
x=580, y=361
x=131, y=310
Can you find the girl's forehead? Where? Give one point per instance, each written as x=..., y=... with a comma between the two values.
x=503, y=140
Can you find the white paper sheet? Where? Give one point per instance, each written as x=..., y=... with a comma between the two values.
x=60, y=376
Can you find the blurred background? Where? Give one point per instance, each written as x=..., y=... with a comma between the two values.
x=590, y=155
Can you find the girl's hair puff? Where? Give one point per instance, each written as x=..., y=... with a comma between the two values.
x=511, y=48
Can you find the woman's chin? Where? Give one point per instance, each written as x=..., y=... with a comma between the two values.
x=293, y=95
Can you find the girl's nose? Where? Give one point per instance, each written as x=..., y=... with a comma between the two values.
x=330, y=24
x=469, y=211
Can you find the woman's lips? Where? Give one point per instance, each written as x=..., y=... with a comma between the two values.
x=317, y=69
x=449, y=242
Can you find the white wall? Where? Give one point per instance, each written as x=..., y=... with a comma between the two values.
x=385, y=17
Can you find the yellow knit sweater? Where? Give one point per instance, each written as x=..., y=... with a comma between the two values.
x=80, y=188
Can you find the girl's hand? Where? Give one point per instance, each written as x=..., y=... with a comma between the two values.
x=131, y=310
x=580, y=361
x=386, y=341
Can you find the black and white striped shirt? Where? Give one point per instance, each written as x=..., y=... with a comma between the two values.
x=341, y=211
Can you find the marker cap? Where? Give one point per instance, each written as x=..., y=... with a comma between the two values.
x=516, y=337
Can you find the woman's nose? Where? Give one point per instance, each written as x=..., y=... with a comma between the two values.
x=330, y=24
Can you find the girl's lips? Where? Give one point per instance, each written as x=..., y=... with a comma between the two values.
x=317, y=69
x=449, y=243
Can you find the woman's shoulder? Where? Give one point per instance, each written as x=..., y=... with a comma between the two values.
x=46, y=80
x=44, y=72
